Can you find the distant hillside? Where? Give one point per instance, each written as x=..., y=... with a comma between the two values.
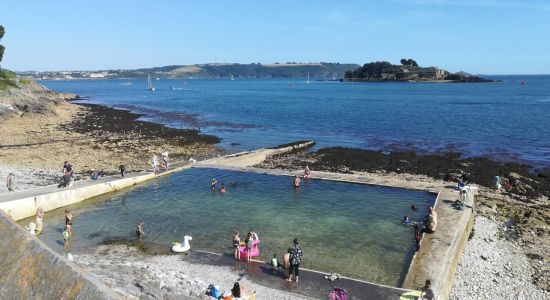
x=255, y=70
x=407, y=71
x=335, y=70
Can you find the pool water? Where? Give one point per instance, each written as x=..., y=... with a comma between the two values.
x=351, y=229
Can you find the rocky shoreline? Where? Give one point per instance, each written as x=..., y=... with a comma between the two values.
x=493, y=267
x=35, y=121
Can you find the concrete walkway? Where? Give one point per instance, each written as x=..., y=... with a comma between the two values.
x=24, y=203
x=440, y=251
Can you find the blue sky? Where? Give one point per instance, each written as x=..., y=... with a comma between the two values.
x=478, y=36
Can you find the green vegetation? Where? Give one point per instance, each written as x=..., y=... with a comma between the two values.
x=2, y=31
x=254, y=70
x=409, y=62
x=7, y=79
x=407, y=71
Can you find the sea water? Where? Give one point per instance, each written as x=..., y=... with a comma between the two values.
x=505, y=120
x=351, y=229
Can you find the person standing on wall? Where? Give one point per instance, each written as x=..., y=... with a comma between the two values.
x=9, y=182
x=122, y=169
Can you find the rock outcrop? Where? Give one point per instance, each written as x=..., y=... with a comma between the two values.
x=31, y=97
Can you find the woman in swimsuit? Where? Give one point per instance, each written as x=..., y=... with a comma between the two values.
x=236, y=244
x=69, y=220
x=249, y=243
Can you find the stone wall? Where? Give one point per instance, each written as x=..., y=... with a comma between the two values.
x=30, y=270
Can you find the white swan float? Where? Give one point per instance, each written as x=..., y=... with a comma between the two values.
x=184, y=246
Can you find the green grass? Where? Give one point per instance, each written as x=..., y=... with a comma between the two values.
x=5, y=74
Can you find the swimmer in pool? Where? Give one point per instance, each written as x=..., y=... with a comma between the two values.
x=213, y=184
x=407, y=221
x=296, y=182
x=139, y=229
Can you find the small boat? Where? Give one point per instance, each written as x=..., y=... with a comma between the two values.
x=232, y=77
x=183, y=246
x=149, y=84
x=307, y=81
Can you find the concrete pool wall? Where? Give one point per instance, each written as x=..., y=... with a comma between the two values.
x=437, y=259
x=31, y=270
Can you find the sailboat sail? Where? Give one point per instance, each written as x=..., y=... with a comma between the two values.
x=149, y=84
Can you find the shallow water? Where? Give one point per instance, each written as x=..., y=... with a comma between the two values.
x=348, y=228
x=505, y=121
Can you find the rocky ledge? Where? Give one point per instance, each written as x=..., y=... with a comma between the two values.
x=31, y=97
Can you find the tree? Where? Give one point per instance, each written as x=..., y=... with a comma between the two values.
x=1, y=47
x=408, y=62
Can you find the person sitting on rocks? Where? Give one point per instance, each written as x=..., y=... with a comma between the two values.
x=239, y=292
x=307, y=173
x=67, y=175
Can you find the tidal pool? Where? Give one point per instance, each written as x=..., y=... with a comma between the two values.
x=352, y=229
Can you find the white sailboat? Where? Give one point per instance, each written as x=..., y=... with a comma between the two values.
x=232, y=77
x=307, y=81
x=149, y=84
